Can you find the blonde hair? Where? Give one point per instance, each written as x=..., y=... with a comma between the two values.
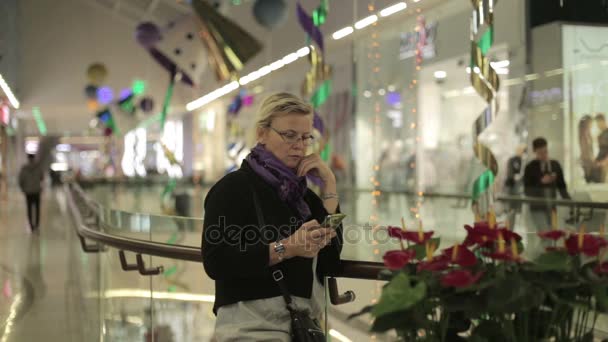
x=278, y=105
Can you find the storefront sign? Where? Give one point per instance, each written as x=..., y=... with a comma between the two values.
x=410, y=41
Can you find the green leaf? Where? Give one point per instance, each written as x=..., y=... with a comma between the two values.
x=403, y=321
x=367, y=309
x=398, y=295
x=512, y=294
x=553, y=261
x=420, y=249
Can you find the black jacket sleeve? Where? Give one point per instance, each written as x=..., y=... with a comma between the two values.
x=560, y=182
x=230, y=247
x=530, y=181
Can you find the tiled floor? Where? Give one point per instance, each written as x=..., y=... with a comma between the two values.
x=42, y=276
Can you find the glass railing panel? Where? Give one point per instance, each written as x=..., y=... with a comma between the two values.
x=125, y=300
x=183, y=299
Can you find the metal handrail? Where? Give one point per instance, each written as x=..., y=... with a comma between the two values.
x=187, y=253
x=350, y=268
x=500, y=198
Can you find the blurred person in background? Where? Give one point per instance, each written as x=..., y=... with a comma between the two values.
x=601, y=160
x=543, y=178
x=514, y=181
x=31, y=176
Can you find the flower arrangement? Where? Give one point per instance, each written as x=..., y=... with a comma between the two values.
x=482, y=289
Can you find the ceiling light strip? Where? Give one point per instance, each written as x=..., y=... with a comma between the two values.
x=290, y=58
x=9, y=93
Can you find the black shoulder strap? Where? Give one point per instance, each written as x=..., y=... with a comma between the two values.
x=277, y=274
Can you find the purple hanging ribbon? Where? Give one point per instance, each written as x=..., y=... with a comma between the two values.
x=310, y=28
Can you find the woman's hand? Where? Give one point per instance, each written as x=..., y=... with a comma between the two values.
x=314, y=165
x=308, y=240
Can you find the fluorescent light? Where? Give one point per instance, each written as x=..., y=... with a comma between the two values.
x=468, y=91
x=366, y=21
x=554, y=72
x=63, y=148
x=400, y=6
x=341, y=33
x=292, y=57
x=440, y=74
x=338, y=336
x=212, y=96
x=502, y=71
x=138, y=293
x=265, y=70
x=7, y=90
x=531, y=77
x=452, y=93
x=303, y=51
x=501, y=64
x=59, y=166
x=277, y=65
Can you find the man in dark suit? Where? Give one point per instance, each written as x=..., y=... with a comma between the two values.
x=543, y=178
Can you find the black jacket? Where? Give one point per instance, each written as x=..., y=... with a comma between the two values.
x=533, y=187
x=234, y=254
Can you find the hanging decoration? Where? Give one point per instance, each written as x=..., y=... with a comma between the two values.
x=90, y=92
x=486, y=82
x=270, y=13
x=240, y=100
x=317, y=82
x=97, y=73
x=147, y=34
x=229, y=46
x=146, y=104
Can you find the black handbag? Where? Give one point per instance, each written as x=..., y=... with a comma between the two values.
x=303, y=327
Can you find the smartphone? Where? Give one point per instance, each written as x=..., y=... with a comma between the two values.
x=333, y=221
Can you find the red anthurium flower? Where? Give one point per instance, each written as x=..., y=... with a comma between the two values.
x=410, y=235
x=509, y=235
x=460, y=255
x=601, y=269
x=553, y=234
x=507, y=255
x=438, y=263
x=395, y=260
x=584, y=243
x=479, y=234
x=460, y=278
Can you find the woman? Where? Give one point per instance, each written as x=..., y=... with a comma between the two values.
x=237, y=254
x=591, y=172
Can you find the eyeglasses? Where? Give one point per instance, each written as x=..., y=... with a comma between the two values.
x=293, y=138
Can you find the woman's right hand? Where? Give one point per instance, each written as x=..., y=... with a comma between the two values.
x=308, y=240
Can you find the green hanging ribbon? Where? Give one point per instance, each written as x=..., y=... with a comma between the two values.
x=319, y=15
x=326, y=153
x=321, y=95
x=169, y=188
x=487, y=40
x=168, y=95
x=486, y=83
x=482, y=183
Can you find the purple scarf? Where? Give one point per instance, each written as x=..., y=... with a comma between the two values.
x=287, y=184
